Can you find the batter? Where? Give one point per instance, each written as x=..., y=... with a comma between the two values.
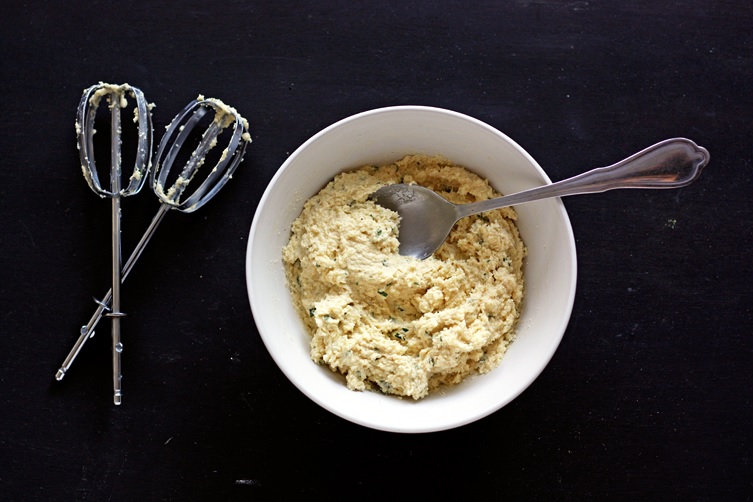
x=393, y=323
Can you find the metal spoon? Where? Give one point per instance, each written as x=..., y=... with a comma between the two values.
x=426, y=218
x=225, y=117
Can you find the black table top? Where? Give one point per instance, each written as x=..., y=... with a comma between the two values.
x=650, y=393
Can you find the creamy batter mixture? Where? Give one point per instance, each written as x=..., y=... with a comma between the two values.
x=394, y=323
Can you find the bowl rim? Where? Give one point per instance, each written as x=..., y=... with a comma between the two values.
x=543, y=361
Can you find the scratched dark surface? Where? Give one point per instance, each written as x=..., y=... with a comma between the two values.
x=650, y=395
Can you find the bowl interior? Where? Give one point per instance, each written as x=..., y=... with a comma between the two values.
x=382, y=136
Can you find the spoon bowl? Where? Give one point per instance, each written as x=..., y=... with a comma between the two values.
x=426, y=218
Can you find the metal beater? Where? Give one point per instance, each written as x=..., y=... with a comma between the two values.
x=179, y=130
x=117, y=98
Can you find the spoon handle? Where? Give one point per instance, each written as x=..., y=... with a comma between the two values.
x=671, y=163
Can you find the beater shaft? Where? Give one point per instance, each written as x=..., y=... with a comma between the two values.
x=115, y=314
x=103, y=305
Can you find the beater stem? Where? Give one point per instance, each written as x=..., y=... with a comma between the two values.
x=116, y=314
x=87, y=331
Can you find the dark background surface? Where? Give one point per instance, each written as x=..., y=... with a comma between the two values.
x=650, y=393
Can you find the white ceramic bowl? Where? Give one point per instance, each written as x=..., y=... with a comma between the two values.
x=382, y=136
